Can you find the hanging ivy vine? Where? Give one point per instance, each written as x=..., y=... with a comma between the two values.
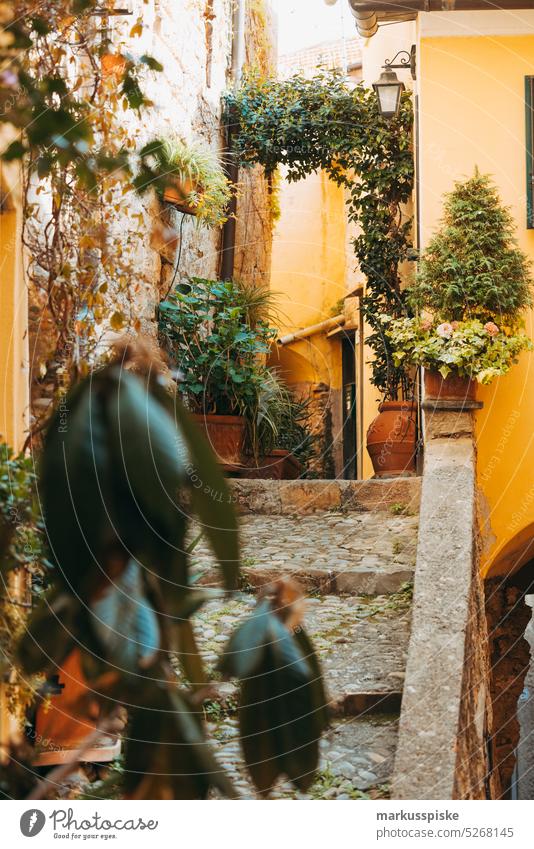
x=321, y=123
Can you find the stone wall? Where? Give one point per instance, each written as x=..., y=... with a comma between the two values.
x=475, y=754
x=193, y=41
x=508, y=616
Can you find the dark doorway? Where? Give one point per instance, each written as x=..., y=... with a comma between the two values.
x=350, y=409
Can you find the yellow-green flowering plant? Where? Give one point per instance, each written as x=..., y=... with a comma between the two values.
x=470, y=348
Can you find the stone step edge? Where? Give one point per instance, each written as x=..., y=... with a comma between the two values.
x=366, y=702
x=355, y=704
x=352, y=582
x=402, y=495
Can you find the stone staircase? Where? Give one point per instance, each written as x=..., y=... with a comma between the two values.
x=352, y=546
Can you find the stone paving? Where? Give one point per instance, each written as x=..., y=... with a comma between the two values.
x=352, y=546
x=356, y=760
x=330, y=552
x=362, y=644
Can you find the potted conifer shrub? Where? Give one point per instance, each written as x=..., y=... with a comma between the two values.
x=469, y=295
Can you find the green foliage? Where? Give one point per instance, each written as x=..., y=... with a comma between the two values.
x=40, y=96
x=473, y=267
x=210, y=191
x=321, y=123
x=21, y=529
x=467, y=348
x=284, y=421
x=23, y=558
x=96, y=485
x=218, y=335
x=282, y=704
x=118, y=477
x=216, y=339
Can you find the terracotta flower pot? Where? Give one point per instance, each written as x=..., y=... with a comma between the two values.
x=279, y=465
x=451, y=388
x=178, y=195
x=226, y=435
x=391, y=439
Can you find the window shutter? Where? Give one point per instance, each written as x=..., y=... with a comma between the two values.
x=529, y=114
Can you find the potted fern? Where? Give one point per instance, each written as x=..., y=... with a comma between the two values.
x=471, y=289
x=196, y=182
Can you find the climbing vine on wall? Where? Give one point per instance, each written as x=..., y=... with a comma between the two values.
x=67, y=89
x=321, y=123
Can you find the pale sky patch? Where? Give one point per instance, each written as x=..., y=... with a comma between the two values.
x=303, y=23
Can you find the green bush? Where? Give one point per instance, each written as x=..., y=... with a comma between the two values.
x=22, y=550
x=473, y=266
x=322, y=123
x=217, y=335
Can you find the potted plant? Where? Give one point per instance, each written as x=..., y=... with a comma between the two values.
x=196, y=183
x=457, y=354
x=280, y=442
x=391, y=436
x=217, y=336
x=472, y=287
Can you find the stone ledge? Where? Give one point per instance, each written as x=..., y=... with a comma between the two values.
x=427, y=755
x=357, y=581
x=305, y=497
x=455, y=424
x=460, y=406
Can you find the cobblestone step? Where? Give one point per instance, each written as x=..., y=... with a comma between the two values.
x=329, y=552
x=286, y=498
x=362, y=644
x=356, y=760
x=352, y=545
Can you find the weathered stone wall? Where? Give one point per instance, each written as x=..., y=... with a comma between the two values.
x=193, y=41
x=475, y=778
x=508, y=616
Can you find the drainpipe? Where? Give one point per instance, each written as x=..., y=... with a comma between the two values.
x=232, y=169
x=366, y=22
x=322, y=326
x=370, y=14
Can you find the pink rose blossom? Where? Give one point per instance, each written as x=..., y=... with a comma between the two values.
x=491, y=328
x=445, y=330
x=426, y=324
x=8, y=78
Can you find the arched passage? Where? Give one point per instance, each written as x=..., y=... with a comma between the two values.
x=509, y=608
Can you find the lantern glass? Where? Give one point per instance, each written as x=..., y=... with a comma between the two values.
x=389, y=89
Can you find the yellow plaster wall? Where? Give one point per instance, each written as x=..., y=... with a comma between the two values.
x=472, y=112
x=308, y=273
x=13, y=334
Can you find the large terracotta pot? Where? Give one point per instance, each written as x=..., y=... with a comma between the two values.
x=226, y=435
x=391, y=439
x=451, y=388
x=279, y=465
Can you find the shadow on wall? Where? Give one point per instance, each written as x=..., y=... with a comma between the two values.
x=310, y=375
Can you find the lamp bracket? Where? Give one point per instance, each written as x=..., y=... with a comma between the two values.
x=408, y=62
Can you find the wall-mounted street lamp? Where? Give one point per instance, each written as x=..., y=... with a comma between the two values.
x=389, y=88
